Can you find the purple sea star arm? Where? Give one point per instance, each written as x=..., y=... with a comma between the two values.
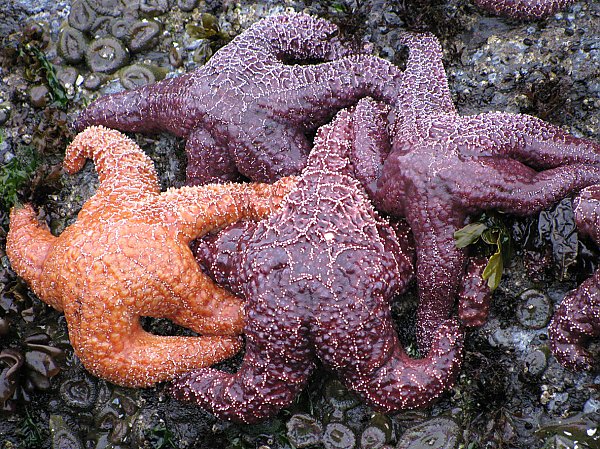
x=523, y=137
x=524, y=9
x=474, y=296
x=425, y=86
x=258, y=390
x=405, y=383
x=512, y=187
x=207, y=161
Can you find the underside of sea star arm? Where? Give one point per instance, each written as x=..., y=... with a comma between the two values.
x=524, y=9
x=27, y=246
x=509, y=186
x=194, y=211
x=405, y=383
x=123, y=168
x=275, y=368
x=523, y=137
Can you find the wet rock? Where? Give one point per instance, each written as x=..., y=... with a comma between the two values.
x=187, y=5
x=534, y=310
x=39, y=96
x=304, y=431
x=437, y=433
x=338, y=436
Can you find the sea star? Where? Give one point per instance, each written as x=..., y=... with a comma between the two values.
x=441, y=168
x=249, y=108
x=578, y=317
x=317, y=277
x=127, y=256
x=524, y=9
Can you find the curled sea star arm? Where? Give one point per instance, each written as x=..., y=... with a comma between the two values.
x=404, y=383
x=524, y=9
x=474, y=296
x=122, y=168
x=276, y=367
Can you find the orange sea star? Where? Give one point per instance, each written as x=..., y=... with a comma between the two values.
x=127, y=256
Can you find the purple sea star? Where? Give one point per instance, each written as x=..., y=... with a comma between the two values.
x=578, y=317
x=524, y=9
x=317, y=277
x=441, y=168
x=249, y=108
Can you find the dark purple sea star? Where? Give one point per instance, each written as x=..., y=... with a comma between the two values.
x=441, y=168
x=524, y=9
x=249, y=108
x=317, y=277
x=578, y=317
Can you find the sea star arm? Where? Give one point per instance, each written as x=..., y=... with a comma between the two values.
x=439, y=262
x=524, y=9
x=28, y=244
x=295, y=37
x=276, y=367
x=512, y=187
x=194, y=211
x=208, y=161
x=123, y=168
x=116, y=347
x=522, y=137
x=574, y=323
x=404, y=383
x=424, y=84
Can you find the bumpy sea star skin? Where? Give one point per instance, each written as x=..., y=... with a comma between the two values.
x=127, y=256
x=578, y=317
x=442, y=168
x=524, y=9
x=317, y=277
x=248, y=109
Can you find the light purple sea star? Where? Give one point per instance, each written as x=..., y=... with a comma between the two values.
x=441, y=168
x=249, y=109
